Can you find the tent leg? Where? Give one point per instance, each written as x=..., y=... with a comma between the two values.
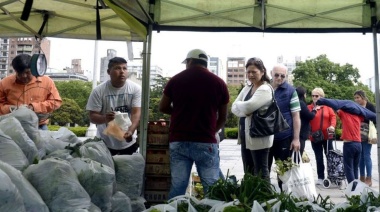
x=377, y=96
x=91, y=131
x=145, y=92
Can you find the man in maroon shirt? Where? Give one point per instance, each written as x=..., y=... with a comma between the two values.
x=197, y=101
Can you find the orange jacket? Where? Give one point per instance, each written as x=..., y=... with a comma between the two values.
x=329, y=119
x=39, y=92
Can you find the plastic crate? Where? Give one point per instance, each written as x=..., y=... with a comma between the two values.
x=157, y=169
x=159, y=127
x=157, y=156
x=158, y=139
x=157, y=183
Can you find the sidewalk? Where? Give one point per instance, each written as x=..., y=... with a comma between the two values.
x=230, y=159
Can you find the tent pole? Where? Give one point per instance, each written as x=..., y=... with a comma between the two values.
x=145, y=92
x=377, y=96
x=91, y=131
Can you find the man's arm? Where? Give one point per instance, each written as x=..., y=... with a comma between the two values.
x=99, y=118
x=222, y=117
x=165, y=105
x=4, y=107
x=296, y=131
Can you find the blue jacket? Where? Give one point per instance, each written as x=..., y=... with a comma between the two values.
x=283, y=95
x=349, y=107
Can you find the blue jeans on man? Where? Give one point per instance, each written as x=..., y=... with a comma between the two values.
x=182, y=157
x=351, y=157
x=365, y=164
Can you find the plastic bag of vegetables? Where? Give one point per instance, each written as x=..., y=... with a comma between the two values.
x=96, y=179
x=31, y=198
x=129, y=174
x=11, y=153
x=12, y=127
x=121, y=202
x=65, y=135
x=10, y=198
x=57, y=183
x=97, y=151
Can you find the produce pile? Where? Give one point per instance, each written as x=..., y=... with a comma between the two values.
x=254, y=194
x=43, y=171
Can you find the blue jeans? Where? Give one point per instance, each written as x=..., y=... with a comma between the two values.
x=182, y=157
x=43, y=127
x=351, y=157
x=318, y=149
x=365, y=163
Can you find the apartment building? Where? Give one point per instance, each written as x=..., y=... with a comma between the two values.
x=235, y=70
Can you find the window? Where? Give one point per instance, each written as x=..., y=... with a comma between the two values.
x=5, y=40
x=5, y=54
x=3, y=67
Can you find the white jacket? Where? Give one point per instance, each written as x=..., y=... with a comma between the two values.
x=260, y=100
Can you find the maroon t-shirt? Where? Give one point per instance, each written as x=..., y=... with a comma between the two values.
x=196, y=94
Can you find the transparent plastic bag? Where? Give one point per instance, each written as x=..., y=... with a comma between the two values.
x=10, y=197
x=121, y=202
x=11, y=153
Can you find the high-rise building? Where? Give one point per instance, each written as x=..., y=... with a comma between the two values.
x=111, y=53
x=11, y=47
x=216, y=67
x=235, y=70
x=136, y=67
x=76, y=66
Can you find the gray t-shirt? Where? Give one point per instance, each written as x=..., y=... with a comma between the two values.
x=106, y=98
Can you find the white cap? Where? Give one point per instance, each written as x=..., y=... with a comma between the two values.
x=197, y=54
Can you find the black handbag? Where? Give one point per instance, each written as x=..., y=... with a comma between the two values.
x=269, y=123
x=318, y=135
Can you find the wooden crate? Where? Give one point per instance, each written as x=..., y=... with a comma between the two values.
x=156, y=196
x=157, y=183
x=157, y=156
x=158, y=139
x=157, y=169
x=158, y=127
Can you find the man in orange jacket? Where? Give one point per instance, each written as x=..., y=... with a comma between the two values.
x=22, y=88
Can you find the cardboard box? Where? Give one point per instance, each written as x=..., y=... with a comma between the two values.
x=157, y=156
x=157, y=183
x=157, y=169
x=156, y=196
x=158, y=139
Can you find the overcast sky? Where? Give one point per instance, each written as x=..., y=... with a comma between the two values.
x=169, y=49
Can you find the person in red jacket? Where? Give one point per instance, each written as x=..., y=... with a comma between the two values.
x=328, y=124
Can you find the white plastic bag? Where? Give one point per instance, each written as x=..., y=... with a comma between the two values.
x=97, y=151
x=121, y=202
x=175, y=201
x=57, y=183
x=97, y=180
x=372, y=133
x=122, y=120
x=299, y=180
x=356, y=187
x=13, y=128
x=10, y=198
x=65, y=135
x=129, y=174
x=31, y=198
x=11, y=153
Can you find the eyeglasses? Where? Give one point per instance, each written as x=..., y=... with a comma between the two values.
x=277, y=75
x=316, y=96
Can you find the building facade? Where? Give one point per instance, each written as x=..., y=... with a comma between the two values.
x=11, y=47
x=235, y=70
x=216, y=67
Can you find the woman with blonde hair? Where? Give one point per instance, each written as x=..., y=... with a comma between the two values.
x=365, y=162
x=324, y=121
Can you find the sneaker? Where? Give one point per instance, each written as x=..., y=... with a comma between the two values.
x=319, y=182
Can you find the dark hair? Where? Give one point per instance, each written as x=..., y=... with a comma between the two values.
x=198, y=62
x=255, y=61
x=116, y=60
x=362, y=94
x=21, y=62
x=301, y=93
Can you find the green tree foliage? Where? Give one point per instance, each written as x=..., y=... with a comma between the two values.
x=69, y=112
x=232, y=120
x=79, y=91
x=155, y=97
x=337, y=81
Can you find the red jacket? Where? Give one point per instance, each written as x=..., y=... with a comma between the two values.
x=329, y=119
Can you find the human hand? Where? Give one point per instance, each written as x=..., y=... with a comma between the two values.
x=12, y=108
x=331, y=129
x=128, y=136
x=110, y=116
x=295, y=145
x=317, y=107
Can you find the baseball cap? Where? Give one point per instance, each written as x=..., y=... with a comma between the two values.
x=196, y=54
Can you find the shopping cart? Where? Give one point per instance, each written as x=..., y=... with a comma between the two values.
x=335, y=169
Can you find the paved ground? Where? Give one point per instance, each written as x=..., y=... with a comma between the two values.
x=231, y=160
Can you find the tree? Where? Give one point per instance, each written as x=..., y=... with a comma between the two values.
x=69, y=112
x=156, y=92
x=232, y=120
x=338, y=82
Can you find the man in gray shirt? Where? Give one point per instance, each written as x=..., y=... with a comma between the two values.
x=116, y=94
